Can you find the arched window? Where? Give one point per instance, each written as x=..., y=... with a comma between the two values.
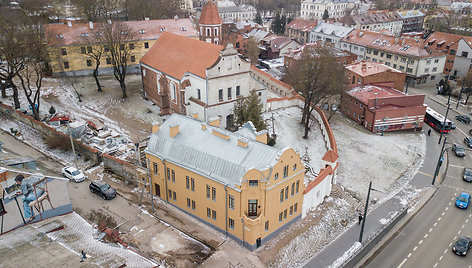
x=208, y=32
x=173, y=92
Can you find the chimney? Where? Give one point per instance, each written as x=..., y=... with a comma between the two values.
x=364, y=66
x=204, y=126
x=219, y=133
x=155, y=127
x=174, y=130
x=91, y=25
x=261, y=136
x=215, y=121
x=109, y=21
x=195, y=115
x=176, y=17
x=146, y=18
x=243, y=142
x=69, y=24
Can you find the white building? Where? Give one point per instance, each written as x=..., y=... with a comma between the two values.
x=204, y=85
x=230, y=12
x=327, y=33
x=377, y=21
x=314, y=9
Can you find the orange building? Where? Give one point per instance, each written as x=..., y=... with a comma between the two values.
x=368, y=72
x=210, y=23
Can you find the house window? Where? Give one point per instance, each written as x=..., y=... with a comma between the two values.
x=290, y=211
x=436, y=60
x=280, y=216
x=155, y=167
x=173, y=176
x=252, y=207
x=174, y=196
x=294, y=167
x=63, y=51
x=231, y=202
x=187, y=182
x=122, y=46
x=131, y=46
x=295, y=208
x=465, y=54
x=376, y=52
x=213, y=215
x=435, y=69
x=66, y=65
x=170, y=194
x=426, y=70
x=428, y=62
x=266, y=225
x=188, y=202
x=282, y=195
x=293, y=189
x=199, y=94
x=286, y=192
x=213, y=193
x=238, y=91
x=231, y=223
x=168, y=173
x=229, y=93
x=133, y=58
x=208, y=191
x=89, y=63
x=285, y=214
x=409, y=70
x=108, y=61
x=89, y=49
x=276, y=176
x=106, y=48
x=220, y=95
x=389, y=56
x=297, y=186
x=82, y=50
x=253, y=182
x=285, y=171
x=193, y=205
x=208, y=212
x=452, y=52
x=146, y=44
x=193, y=184
x=173, y=92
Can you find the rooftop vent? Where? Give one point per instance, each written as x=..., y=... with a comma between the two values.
x=69, y=23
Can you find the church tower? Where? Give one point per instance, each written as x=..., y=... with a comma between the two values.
x=210, y=24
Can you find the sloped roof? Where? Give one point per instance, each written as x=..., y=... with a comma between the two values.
x=332, y=29
x=214, y=157
x=406, y=14
x=370, y=68
x=377, y=17
x=210, y=15
x=175, y=55
x=302, y=25
x=447, y=39
x=366, y=92
x=145, y=30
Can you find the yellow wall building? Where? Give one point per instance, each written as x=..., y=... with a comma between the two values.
x=70, y=45
x=230, y=181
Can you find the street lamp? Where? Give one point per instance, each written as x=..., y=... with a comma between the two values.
x=440, y=160
x=365, y=210
x=445, y=117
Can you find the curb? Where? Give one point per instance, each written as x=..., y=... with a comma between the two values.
x=445, y=105
x=396, y=229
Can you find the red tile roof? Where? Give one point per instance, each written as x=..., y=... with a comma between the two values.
x=210, y=15
x=145, y=30
x=447, y=39
x=302, y=25
x=366, y=68
x=175, y=55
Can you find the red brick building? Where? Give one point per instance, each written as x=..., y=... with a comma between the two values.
x=368, y=72
x=209, y=24
x=380, y=108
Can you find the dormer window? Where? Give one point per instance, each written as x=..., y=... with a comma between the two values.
x=142, y=31
x=85, y=35
x=59, y=36
x=163, y=29
x=124, y=32
x=183, y=29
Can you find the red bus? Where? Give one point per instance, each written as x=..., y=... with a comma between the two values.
x=436, y=121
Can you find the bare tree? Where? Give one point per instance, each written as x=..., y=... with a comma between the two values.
x=317, y=77
x=154, y=9
x=13, y=50
x=95, y=52
x=95, y=10
x=117, y=38
x=252, y=50
x=31, y=76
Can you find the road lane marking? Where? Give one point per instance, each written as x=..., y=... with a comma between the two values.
x=430, y=229
x=442, y=214
x=447, y=208
x=421, y=241
x=436, y=264
x=409, y=255
x=401, y=264
x=466, y=221
x=455, y=237
x=459, y=232
x=445, y=250
x=440, y=258
x=436, y=223
x=414, y=249
x=470, y=215
x=439, y=219
x=463, y=226
x=450, y=244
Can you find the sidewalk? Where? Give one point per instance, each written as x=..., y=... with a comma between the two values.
x=333, y=253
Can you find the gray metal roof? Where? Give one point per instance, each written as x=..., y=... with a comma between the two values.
x=201, y=151
x=336, y=30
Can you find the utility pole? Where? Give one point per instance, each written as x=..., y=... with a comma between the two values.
x=460, y=94
x=445, y=117
x=71, y=141
x=406, y=71
x=365, y=212
x=440, y=160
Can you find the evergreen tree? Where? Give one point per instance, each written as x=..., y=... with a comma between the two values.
x=275, y=25
x=258, y=18
x=283, y=22
x=325, y=14
x=249, y=109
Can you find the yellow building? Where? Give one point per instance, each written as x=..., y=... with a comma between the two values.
x=233, y=182
x=70, y=45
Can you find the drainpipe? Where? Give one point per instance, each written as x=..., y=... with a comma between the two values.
x=242, y=220
x=226, y=210
x=150, y=184
x=165, y=178
x=205, y=108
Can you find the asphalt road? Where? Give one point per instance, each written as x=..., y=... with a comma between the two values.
x=427, y=239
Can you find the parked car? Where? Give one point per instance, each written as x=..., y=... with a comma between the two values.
x=73, y=174
x=463, y=118
x=453, y=125
x=468, y=141
x=463, y=200
x=462, y=246
x=458, y=150
x=467, y=175
x=103, y=189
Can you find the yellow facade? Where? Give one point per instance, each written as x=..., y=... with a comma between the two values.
x=278, y=192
